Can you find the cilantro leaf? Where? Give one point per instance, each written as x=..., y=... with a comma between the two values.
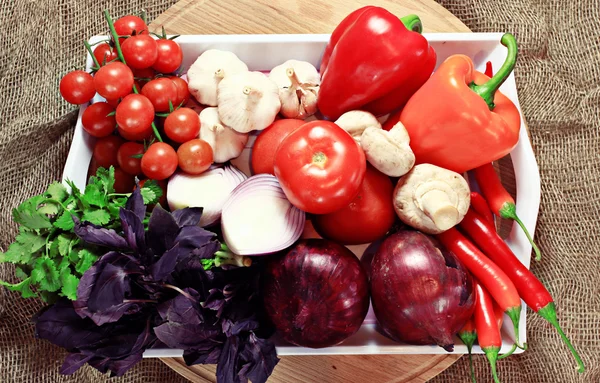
x=64, y=242
x=20, y=273
x=105, y=178
x=31, y=242
x=93, y=196
x=27, y=214
x=24, y=287
x=49, y=208
x=151, y=192
x=57, y=191
x=69, y=284
x=64, y=222
x=86, y=261
x=46, y=275
x=16, y=253
x=97, y=217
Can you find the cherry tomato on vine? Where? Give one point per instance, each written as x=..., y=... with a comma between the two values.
x=114, y=80
x=195, y=156
x=140, y=51
x=160, y=91
x=182, y=125
x=183, y=92
x=123, y=182
x=135, y=114
x=130, y=26
x=105, y=151
x=160, y=161
x=139, y=136
x=126, y=159
x=114, y=102
x=104, y=53
x=77, y=87
x=170, y=56
x=96, y=120
x=143, y=76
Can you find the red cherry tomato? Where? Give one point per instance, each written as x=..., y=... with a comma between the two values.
x=170, y=56
x=160, y=161
x=183, y=92
x=130, y=26
x=129, y=164
x=114, y=80
x=104, y=53
x=93, y=168
x=140, y=51
x=141, y=136
x=267, y=142
x=96, y=120
x=160, y=91
x=77, y=87
x=135, y=114
x=367, y=218
x=114, y=102
x=163, y=185
x=105, y=151
x=143, y=76
x=123, y=182
x=195, y=156
x=320, y=167
x=182, y=125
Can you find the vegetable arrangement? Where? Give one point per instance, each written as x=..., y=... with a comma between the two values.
x=173, y=245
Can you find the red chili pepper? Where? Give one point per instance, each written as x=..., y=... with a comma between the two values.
x=481, y=206
x=501, y=203
x=488, y=273
x=531, y=290
x=488, y=69
x=486, y=325
x=468, y=335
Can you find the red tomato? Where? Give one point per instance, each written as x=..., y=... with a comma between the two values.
x=195, y=156
x=170, y=56
x=143, y=135
x=163, y=185
x=105, y=53
x=114, y=80
x=182, y=125
x=267, y=142
x=93, y=168
x=96, y=120
x=320, y=167
x=135, y=114
x=77, y=87
x=392, y=120
x=130, y=26
x=160, y=91
x=127, y=162
x=160, y=161
x=114, y=102
x=183, y=92
x=367, y=218
x=143, y=76
x=123, y=182
x=140, y=51
x=105, y=151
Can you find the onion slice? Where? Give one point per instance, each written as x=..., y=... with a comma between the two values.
x=208, y=190
x=258, y=219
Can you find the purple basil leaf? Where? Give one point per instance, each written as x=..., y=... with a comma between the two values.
x=186, y=336
x=74, y=362
x=227, y=366
x=135, y=203
x=120, y=366
x=245, y=325
x=215, y=301
x=133, y=229
x=189, y=216
x=98, y=235
x=203, y=353
x=194, y=237
x=110, y=288
x=260, y=357
x=162, y=230
x=166, y=264
x=181, y=309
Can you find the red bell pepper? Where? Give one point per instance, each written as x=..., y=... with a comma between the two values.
x=458, y=119
x=374, y=61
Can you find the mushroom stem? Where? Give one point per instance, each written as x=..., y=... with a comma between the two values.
x=220, y=73
x=437, y=206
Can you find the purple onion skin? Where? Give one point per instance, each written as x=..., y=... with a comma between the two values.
x=420, y=291
x=316, y=294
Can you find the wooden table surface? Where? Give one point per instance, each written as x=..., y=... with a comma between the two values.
x=309, y=16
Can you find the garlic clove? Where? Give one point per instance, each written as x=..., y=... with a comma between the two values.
x=298, y=83
x=356, y=121
x=248, y=101
x=225, y=142
x=208, y=70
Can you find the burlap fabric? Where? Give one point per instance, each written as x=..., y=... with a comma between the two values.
x=558, y=76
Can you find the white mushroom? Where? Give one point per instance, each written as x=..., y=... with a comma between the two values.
x=298, y=83
x=356, y=121
x=248, y=101
x=389, y=152
x=208, y=70
x=431, y=199
x=225, y=142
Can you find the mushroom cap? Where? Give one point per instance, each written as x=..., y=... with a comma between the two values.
x=248, y=101
x=298, y=83
x=225, y=142
x=205, y=74
x=389, y=152
x=356, y=121
x=431, y=199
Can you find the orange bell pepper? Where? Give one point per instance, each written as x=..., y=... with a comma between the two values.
x=458, y=119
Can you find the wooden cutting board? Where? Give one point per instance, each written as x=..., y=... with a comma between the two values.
x=309, y=16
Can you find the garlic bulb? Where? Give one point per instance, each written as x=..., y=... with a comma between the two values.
x=208, y=70
x=248, y=101
x=225, y=142
x=298, y=83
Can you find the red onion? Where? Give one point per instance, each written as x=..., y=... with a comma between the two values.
x=316, y=294
x=420, y=291
x=208, y=190
x=258, y=218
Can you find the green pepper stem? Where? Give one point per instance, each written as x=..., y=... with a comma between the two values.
x=488, y=90
x=514, y=314
x=509, y=211
x=114, y=35
x=468, y=339
x=412, y=23
x=492, y=355
x=548, y=312
x=509, y=352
